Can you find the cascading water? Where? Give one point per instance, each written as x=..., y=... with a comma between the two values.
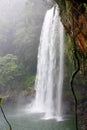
x=49, y=78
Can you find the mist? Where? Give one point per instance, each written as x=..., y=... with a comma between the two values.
x=20, y=27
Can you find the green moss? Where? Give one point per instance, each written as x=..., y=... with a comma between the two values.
x=0, y=101
x=85, y=5
x=62, y=5
x=79, y=95
x=68, y=94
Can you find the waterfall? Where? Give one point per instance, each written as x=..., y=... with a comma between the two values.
x=49, y=78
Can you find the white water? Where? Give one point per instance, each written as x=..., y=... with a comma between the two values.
x=49, y=78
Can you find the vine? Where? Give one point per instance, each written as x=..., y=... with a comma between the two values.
x=10, y=128
x=77, y=63
x=72, y=88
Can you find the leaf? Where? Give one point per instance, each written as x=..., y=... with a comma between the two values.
x=0, y=101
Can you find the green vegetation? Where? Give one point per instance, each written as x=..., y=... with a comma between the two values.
x=8, y=69
x=85, y=5
x=29, y=82
x=0, y=101
x=19, y=38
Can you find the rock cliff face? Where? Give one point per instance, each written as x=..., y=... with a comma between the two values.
x=74, y=18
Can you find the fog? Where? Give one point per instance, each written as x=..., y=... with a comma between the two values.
x=20, y=27
x=10, y=10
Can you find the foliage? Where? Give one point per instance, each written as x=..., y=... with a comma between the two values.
x=61, y=4
x=85, y=5
x=8, y=69
x=29, y=81
x=0, y=101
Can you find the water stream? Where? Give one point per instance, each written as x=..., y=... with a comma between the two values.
x=49, y=78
